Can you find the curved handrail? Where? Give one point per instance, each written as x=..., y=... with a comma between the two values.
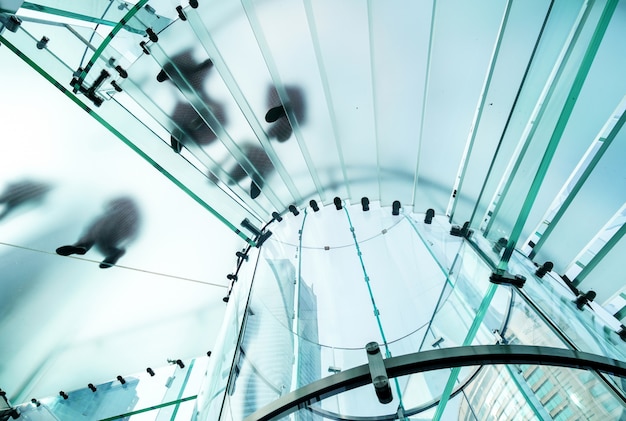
x=437, y=359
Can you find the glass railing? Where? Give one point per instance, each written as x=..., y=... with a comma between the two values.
x=497, y=392
x=311, y=310
x=523, y=391
x=582, y=328
x=311, y=313
x=172, y=392
x=160, y=393
x=568, y=194
x=514, y=56
x=213, y=389
x=562, y=60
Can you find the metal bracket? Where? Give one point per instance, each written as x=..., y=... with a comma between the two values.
x=380, y=380
x=91, y=91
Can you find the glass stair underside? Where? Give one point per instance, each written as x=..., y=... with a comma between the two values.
x=398, y=101
x=378, y=103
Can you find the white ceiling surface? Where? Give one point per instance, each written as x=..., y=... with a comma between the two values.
x=64, y=322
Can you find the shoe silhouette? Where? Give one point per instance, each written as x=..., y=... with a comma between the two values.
x=275, y=113
x=255, y=190
x=281, y=129
x=69, y=250
x=112, y=259
x=258, y=159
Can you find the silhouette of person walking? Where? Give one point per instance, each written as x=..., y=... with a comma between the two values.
x=192, y=125
x=260, y=161
x=185, y=115
x=20, y=193
x=277, y=115
x=109, y=233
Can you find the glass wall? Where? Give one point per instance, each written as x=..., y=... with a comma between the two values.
x=329, y=282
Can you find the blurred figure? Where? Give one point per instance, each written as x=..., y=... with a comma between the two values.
x=184, y=115
x=194, y=72
x=21, y=192
x=281, y=129
x=109, y=233
x=259, y=160
x=192, y=124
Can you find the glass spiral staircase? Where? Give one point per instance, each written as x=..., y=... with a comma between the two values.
x=279, y=122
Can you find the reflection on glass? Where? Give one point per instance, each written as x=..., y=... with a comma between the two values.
x=531, y=392
x=582, y=329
